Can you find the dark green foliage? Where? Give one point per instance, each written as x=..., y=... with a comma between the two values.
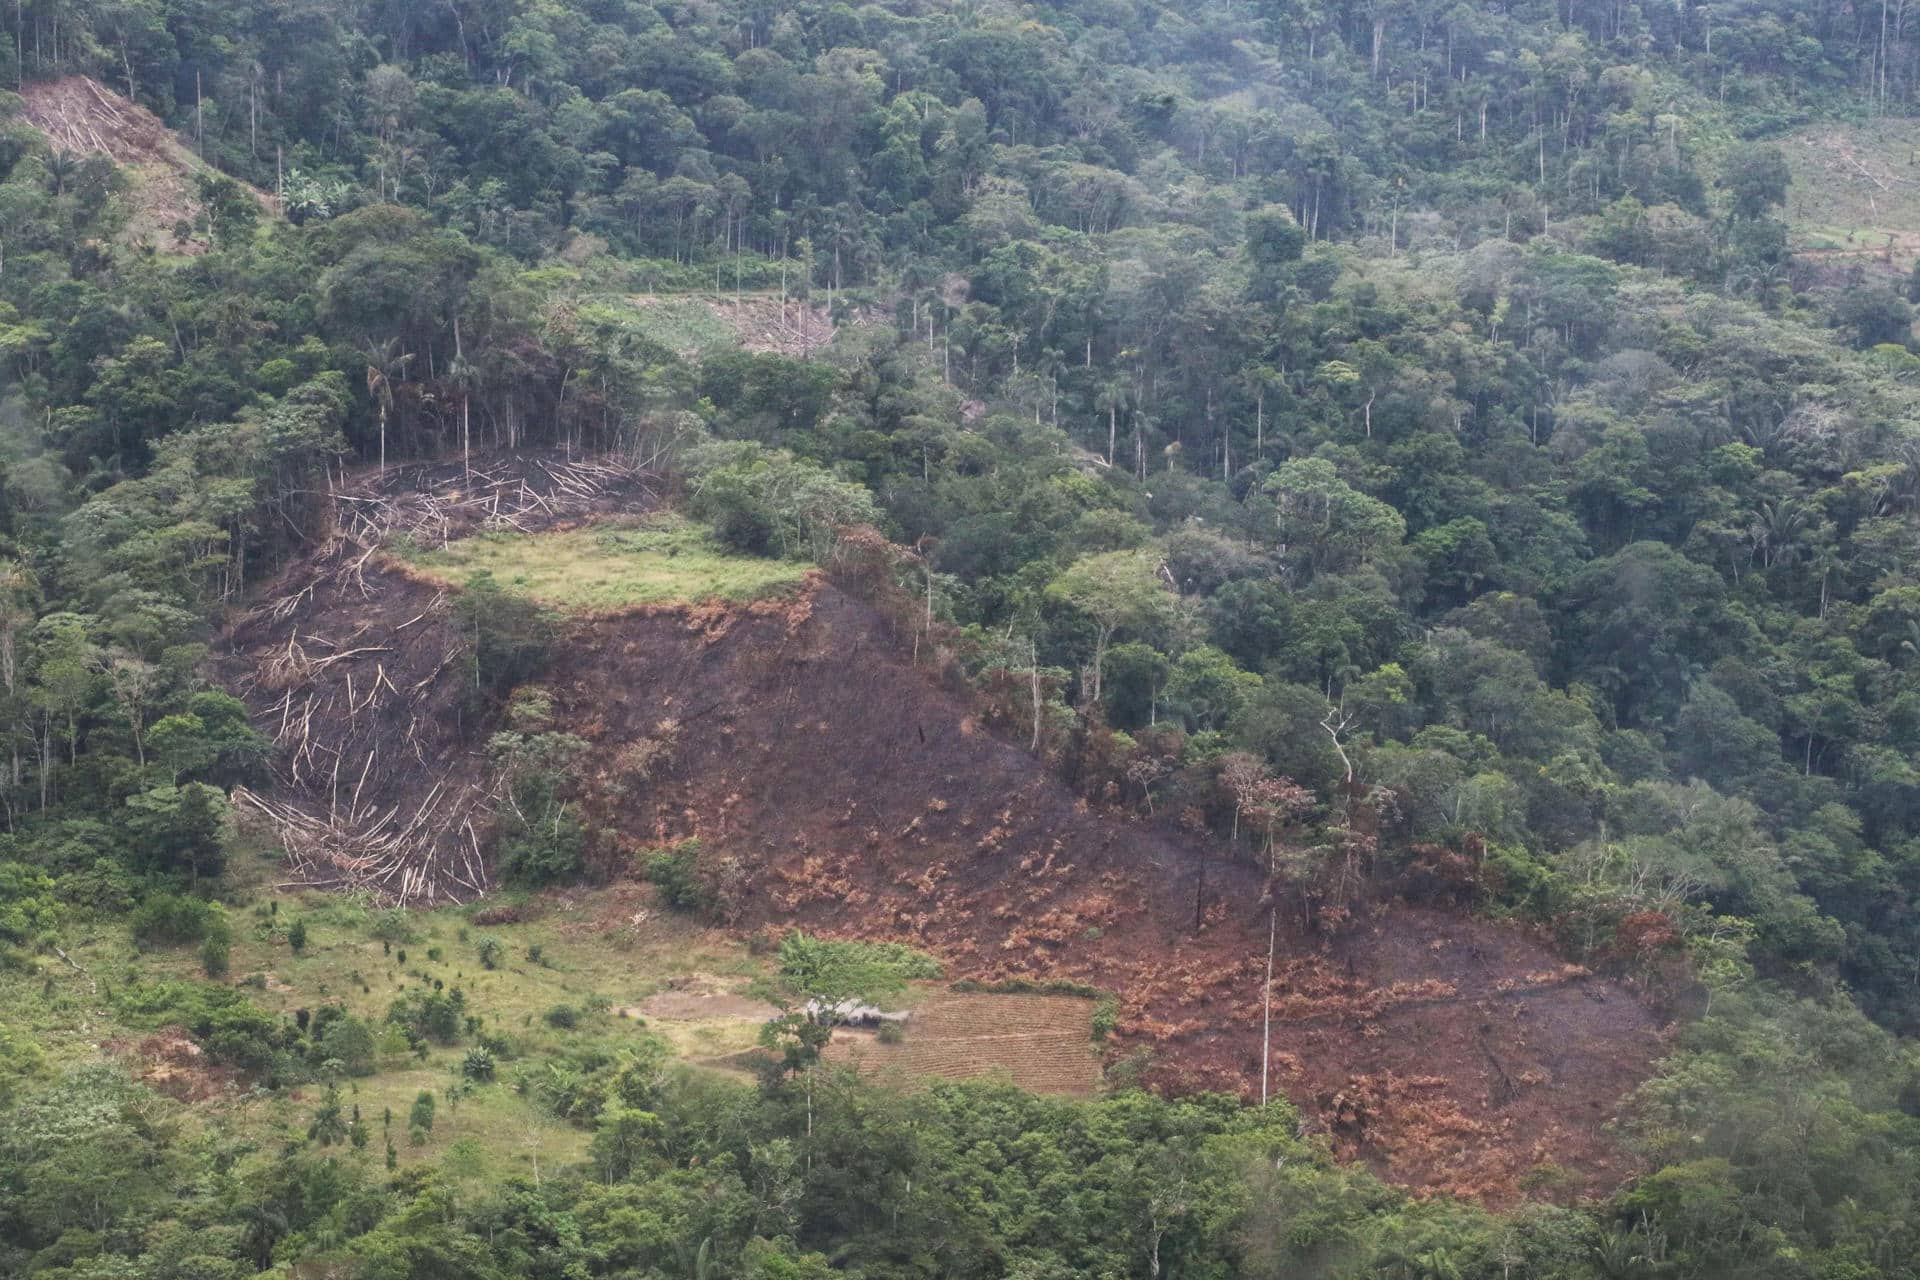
x=178, y=829
x=507, y=636
x=337, y=1036
x=1421, y=403
x=215, y=953
x=541, y=838
x=169, y=919
x=677, y=872
x=430, y=1015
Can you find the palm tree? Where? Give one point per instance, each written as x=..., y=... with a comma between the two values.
x=62, y=167
x=463, y=375
x=387, y=361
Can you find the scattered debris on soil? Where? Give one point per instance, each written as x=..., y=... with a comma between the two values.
x=79, y=114
x=1451, y=1053
x=759, y=322
x=351, y=666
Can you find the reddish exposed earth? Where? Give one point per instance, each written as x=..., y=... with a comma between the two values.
x=846, y=791
x=858, y=798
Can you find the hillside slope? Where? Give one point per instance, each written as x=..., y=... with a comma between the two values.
x=860, y=800
x=854, y=796
x=80, y=115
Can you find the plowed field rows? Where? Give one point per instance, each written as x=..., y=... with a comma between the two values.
x=1041, y=1043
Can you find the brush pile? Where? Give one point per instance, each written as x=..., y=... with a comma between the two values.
x=358, y=673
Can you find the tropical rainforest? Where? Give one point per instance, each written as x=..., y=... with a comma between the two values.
x=1417, y=426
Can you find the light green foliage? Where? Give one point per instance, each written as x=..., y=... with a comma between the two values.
x=27, y=903
x=767, y=502
x=685, y=325
x=1122, y=593
x=665, y=561
x=833, y=972
x=1419, y=402
x=677, y=872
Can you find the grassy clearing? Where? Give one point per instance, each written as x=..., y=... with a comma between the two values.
x=601, y=969
x=667, y=560
x=687, y=326
x=1854, y=186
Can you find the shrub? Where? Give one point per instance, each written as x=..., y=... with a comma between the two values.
x=1106, y=1014
x=169, y=919
x=766, y=501
x=297, y=936
x=429, y=1015
x=350, y=1041
x=563, y=1017
x=392, y=925
x=214, y=955
x=491, y=952
x=677, y=873
x=891, y=1032
x=421, y=1116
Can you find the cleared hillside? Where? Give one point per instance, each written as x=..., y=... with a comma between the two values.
x=847, y=792
x=80, y=115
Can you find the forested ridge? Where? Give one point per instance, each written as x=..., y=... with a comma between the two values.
x=1399, y=440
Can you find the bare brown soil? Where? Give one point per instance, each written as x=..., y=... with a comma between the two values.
x=672, y=1006
x=1041, y=1043
x=854, y=796
x=170, y=1062
x=839, y=788
x=81, y=115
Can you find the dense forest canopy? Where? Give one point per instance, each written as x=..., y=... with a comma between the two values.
x=1421, y=404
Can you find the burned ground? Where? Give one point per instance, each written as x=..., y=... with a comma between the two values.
x=353, y=668
x=838, y=787
x=853, y=796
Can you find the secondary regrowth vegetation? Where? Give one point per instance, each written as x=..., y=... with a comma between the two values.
x=600, y=599
x=665, y=560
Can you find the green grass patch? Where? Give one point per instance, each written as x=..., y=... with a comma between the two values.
x=685, y=325
x=667, y=560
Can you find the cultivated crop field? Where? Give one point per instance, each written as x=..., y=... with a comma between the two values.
x=1041, y=1043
